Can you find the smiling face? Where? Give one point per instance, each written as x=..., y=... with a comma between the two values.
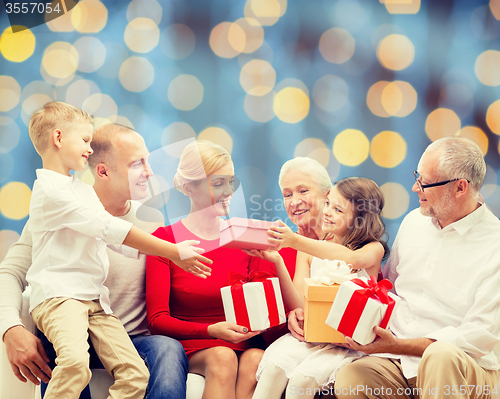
x=75, y=146
x=303, y=199
x=129, y=169
x=338, y=214
x=436, y=202
x=213, y=194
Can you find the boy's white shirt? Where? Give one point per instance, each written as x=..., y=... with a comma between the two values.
x=70, y=230
x=126, y=278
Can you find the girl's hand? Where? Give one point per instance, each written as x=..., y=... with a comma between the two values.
x=189, y=259
x=296, y=323
x=269, y=255
x=281, y=235
x=230, y=332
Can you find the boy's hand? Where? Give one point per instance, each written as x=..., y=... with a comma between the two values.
x=281, y=235
x=189, y=259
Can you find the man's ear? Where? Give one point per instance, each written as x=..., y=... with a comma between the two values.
x=462, y=187
x=102, y=171
x=57, y=138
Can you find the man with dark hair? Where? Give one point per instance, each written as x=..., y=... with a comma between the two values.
x=121, y=171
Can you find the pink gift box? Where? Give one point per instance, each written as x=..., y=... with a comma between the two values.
x=243, y=233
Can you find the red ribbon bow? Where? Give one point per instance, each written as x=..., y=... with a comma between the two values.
x=373, y=288
x=234, y=278
x=236, y=281
x=355, y=307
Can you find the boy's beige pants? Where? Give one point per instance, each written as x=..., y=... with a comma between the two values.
x=67, y=323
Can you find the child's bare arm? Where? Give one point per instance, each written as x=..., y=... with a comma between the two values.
x=184, y=254
x=368, y=257
x=302, y=271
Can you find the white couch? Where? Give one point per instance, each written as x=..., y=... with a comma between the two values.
x=12, y=388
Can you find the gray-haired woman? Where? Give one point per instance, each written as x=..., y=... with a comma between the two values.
x=304, y=183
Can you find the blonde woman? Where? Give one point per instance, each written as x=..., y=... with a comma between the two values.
x=190, y=311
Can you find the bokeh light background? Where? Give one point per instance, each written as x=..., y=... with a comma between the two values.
x=363, y=86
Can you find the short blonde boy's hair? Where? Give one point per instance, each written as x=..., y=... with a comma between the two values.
x=54, y=115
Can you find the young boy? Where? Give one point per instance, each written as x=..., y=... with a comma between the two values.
x=70, y=230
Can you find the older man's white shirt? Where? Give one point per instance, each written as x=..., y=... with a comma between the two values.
x=449, y=283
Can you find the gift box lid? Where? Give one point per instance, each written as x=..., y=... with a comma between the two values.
x=242, y=222
x=319, y=292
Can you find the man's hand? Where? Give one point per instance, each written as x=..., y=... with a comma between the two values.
x=386, y=342
x=230, y=332
x=190, y=259
x=296, y=323
x=342, y=345
x=26, y=355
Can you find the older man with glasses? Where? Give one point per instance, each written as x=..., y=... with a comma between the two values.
x=445, y=266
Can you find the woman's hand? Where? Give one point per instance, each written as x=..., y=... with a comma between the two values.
x=282, y=236
x=189, y=259
x=270, y=255
x=230, y=332
x=296, y=323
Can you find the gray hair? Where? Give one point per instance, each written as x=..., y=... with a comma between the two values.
x=309, y=167
x=460, y=158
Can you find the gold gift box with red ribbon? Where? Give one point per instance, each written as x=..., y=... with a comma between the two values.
x=253, y=301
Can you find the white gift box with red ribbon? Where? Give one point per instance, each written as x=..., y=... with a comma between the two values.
x=256, y=305
x=360, y=305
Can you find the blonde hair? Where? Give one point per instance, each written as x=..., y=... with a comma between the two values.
x=198, y=160
x=54, y=115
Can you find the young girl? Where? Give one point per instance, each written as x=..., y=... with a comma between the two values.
x=354, y=230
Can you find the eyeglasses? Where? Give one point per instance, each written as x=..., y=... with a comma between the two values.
x=441, y=183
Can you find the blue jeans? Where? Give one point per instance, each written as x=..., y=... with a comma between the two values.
x=164, y=356
x=167, y=363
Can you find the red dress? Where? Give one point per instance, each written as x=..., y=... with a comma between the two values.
x=289, y=256
x=182, y=305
